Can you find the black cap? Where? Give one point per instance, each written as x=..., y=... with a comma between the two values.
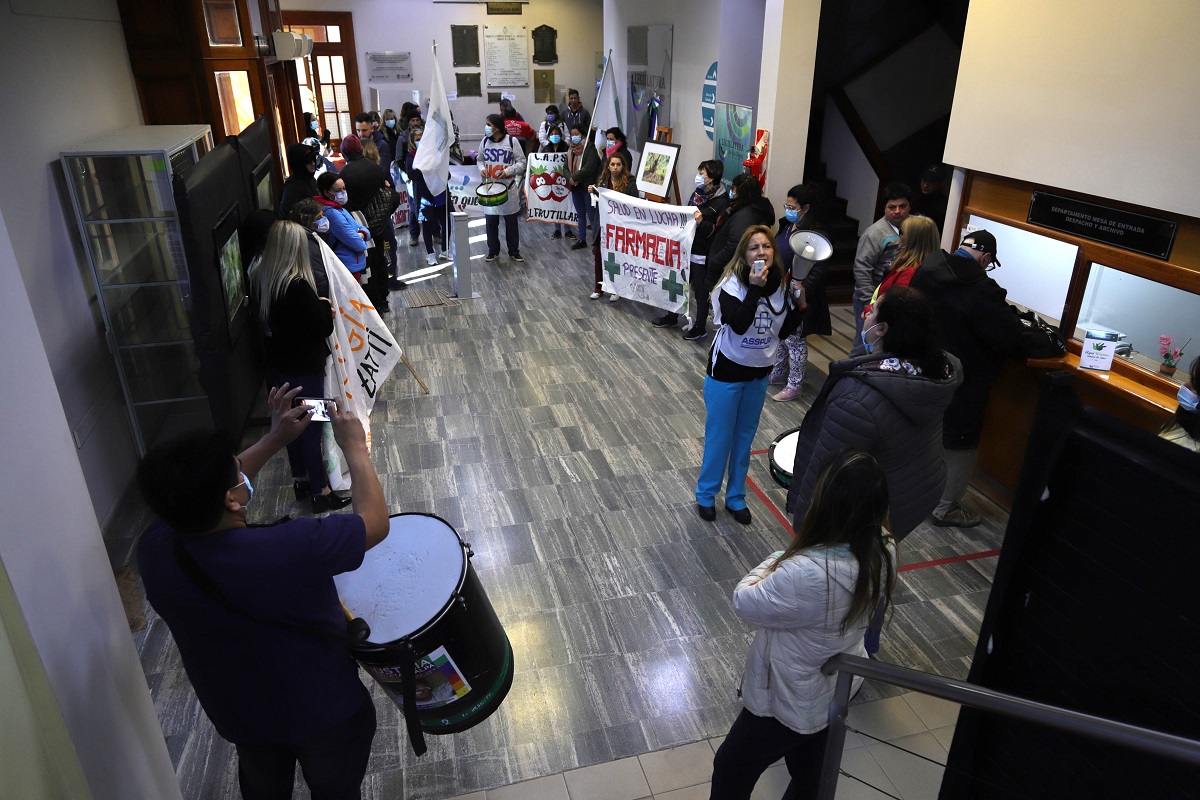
x=934, y=173
x=984, y=242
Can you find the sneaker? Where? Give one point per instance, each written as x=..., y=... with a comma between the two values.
x=787, y=394
x=490, y=257
x=612, y=298
x=594, y=296
x=579, y=245
x=556, y=235
x=957, y=517
x=569, y=235
x=413, y=242
x=517, y=257
x=695, y=333
x=431, y=260
x=667, y=320
x=395, y=285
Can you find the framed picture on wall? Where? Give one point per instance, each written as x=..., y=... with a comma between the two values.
x=227, y=247
x=656, y=168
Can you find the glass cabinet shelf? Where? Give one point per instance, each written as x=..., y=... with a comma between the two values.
x=121, y=188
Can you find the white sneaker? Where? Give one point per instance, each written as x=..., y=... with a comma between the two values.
x=594, y=296
x=431, y=260
x=612, y=298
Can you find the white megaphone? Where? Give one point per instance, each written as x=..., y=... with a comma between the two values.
x=810, y=247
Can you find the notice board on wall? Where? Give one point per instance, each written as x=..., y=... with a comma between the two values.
x=389, y=67
x=506, y=55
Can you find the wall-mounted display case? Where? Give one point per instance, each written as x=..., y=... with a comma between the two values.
x=121, y=190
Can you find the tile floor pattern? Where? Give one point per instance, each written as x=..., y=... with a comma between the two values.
x=562, y=438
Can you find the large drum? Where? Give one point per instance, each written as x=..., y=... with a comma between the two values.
x=432, y=627
x=492, y=195
x=782, y=455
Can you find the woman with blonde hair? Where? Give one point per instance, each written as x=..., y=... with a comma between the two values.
x=757, y=305
x=298, y=322
x=919, y=239
x=809, y=602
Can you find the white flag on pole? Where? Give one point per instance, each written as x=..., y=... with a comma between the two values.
x=433, y=153
x=608, y=108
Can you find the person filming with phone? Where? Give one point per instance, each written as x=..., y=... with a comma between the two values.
x=757, y=305
x=253, y=608
x=298, y=323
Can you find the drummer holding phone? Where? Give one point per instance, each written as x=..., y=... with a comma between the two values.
x=757, y=305
x=253, y=609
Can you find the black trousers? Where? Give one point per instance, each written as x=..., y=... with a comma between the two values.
x=333, y=762
x=703, y=298
x=755, y=743
x=512, y=233
x=377, y=278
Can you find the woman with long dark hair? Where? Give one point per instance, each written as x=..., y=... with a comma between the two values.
x=800, y=214
x=1184, y=426
x=888, y=403
x=299, y=322
x=809, y=602
x=616, y=176
x=583, y=167
x=757, y=306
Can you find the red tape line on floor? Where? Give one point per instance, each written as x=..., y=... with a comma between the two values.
x=937, y=562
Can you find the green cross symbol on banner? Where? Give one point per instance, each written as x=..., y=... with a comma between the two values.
x=612, y=267
x=672, y=286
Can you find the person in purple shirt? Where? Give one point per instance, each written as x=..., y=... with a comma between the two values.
x=253, y=609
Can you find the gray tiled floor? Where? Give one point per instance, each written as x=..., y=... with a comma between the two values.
x=562, y=438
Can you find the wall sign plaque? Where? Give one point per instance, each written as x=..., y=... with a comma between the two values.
x=1124, y=229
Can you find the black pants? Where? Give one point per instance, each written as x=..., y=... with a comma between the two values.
x=333, y=762
x=703, y=299
x=755, y=743
x=512, y=233
x=377, y=279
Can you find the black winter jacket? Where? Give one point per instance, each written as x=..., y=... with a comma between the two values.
x=725, y=240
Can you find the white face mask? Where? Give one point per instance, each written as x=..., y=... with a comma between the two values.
x=323, y=225
x=341, y=197
x=699, y=180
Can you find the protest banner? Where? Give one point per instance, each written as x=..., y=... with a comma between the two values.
x=464, y=180
x=547, y=196
x=646, y=250
x=363, y=353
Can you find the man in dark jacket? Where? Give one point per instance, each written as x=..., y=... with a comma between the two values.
x=366, y=129
x=364, y=178
x=979, y=327
x=302, y=179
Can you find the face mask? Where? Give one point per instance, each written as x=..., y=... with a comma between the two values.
x=612, y=148
x=341, y=197
x=576, y=139
x=1188, y=399
x=732, y=194
x=249, y=488
x=699, y=180
x=323, y=225
x=488, y=130
x=555, y=138
x=551, y=117
x=791, y=215
x=315, y=126
x=870, y=346
x=391, y=123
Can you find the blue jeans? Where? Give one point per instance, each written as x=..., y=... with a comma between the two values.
x=579, y=199
x=731, y=418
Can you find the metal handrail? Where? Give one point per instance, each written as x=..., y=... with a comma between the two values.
x=1123, y=734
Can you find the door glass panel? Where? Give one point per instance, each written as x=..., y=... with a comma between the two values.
x=323, y=71
x=339, y=69
x=1037, y=269
x=237, y=107
x=343, y=98
x=334, y=33
x=344, y=122
x=221, y=19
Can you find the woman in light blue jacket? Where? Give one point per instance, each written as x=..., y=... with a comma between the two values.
x=348, y=239
x=810, y=602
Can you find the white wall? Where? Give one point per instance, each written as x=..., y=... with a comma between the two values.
x=67, y=79
x=695, y=49
x=1037, y=269
x=1098, y=96
x=740, y=42
x=846, y=164
x=413, y=25
x=51, y=550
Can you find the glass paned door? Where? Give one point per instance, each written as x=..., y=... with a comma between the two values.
x=328, y=79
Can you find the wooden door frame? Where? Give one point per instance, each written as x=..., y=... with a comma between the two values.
x=346, y=48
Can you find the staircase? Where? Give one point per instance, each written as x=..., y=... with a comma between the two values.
x=843, y=233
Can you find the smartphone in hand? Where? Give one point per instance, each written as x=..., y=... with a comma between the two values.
x=319, y=405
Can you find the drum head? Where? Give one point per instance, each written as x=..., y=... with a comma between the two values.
x=407, y=580
x=782, y=454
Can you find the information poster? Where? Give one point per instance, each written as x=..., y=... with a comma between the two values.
x=646, y=250
x=389, y=67
x=733, y=138
x=506, y=55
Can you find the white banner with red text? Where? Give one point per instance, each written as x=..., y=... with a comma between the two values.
x=646, y=250
x=546, y=193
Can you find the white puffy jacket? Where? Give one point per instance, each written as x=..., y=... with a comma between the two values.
x=799, y=609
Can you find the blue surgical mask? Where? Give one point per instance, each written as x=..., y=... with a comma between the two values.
x=555, y=138
x=791, y=215
x=341, y=197
x=488, y=130
x=315, y=126
x=249, y=488
x=870, y=346
x=391, y=123
x=551, y=117
x=323, y=225
x=732, y=194
x=1188, y=400
x=576, y=139
x=699, y=180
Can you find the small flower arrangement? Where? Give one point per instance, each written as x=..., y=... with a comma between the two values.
x=1170, y=355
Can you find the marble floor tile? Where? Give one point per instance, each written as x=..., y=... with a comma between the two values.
x=678, y=767
x=616, y=780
